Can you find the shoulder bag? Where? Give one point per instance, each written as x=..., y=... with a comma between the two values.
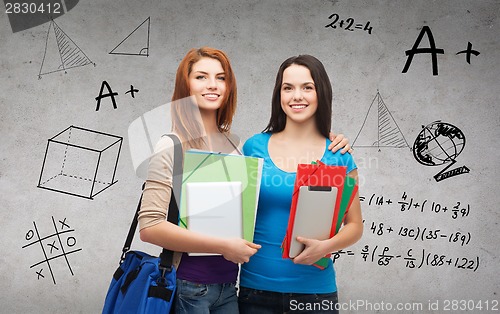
x=144, y=283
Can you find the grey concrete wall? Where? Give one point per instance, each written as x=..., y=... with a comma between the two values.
x=444, y=248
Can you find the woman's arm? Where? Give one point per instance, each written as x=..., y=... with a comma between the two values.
x=175, y=238
x=349, y=234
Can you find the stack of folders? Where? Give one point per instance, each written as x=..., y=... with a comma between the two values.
x=220, y=194
x=321, y=198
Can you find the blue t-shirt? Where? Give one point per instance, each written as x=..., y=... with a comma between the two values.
x=267, y=270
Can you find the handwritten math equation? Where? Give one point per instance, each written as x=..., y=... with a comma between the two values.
x=412, y=259
x=409, y=256
x=406, y=204
x=347, y=24
x=54, y=247
x=421, y=233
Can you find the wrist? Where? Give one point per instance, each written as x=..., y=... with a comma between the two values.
x=329, y=246
x=222, y=246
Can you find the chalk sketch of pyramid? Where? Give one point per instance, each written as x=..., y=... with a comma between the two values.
x=136, y=43
x=61, y=52
x=379, y=128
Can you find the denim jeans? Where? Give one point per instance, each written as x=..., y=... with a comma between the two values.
x=194, y=298
x=253, y=301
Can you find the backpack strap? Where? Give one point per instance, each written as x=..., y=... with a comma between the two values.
x=166, y=256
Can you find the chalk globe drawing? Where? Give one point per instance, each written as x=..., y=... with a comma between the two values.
x=438, y=143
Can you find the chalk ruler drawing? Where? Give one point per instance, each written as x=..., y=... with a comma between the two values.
x=54, y=247
x=379, y=128
x=136, y=43
x=80, y=162
x=61, y=52
x=440, y=143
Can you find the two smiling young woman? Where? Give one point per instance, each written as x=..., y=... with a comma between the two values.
x=298, y=132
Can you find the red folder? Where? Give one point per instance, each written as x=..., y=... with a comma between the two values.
x=314, y=175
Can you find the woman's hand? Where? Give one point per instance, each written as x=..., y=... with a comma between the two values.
x=239, y=250
x=313, y=252
x=339, y=141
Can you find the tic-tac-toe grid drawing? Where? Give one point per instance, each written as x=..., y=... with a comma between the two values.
x=52, y=248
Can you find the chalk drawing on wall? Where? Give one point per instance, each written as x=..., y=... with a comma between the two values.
x=136, y=43
x=80, y=162
x=61, y=52
x=440, y=143
x=347, y=24
x=55, y=247
x=433, y=50
x=379, y=128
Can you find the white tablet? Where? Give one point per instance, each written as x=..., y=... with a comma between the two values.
x=215, y=208
x=313, y=216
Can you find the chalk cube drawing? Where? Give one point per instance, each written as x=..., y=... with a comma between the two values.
x=80, y=162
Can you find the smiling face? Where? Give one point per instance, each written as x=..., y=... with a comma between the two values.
x=299, y=100
x=207, y=83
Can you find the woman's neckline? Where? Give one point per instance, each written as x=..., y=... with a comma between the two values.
x=285, y=171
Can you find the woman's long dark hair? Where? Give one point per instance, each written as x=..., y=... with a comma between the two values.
x=323, y=115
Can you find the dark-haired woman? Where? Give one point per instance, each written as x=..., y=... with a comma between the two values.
x=297, y=133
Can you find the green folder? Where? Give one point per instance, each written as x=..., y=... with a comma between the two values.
x=201, y=166
x=347, y=194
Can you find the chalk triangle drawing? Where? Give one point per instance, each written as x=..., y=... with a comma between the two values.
x=136, y=43
x=61, y=52
x=379, y=128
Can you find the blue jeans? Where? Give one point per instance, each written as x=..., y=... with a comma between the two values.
x=253, y=301
x=194, y=298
